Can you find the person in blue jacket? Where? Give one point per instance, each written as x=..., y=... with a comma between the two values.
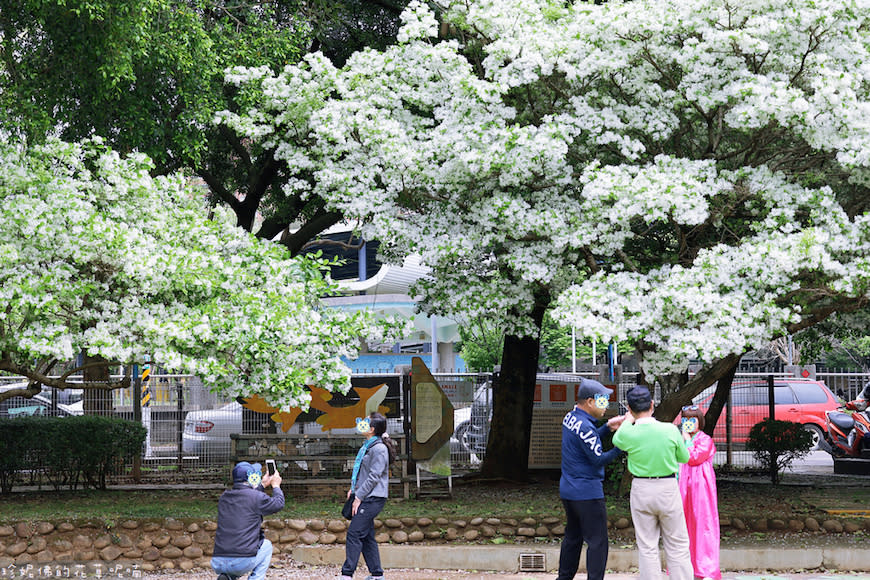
x=239, y=543
x=581, y=486
x=370, y=485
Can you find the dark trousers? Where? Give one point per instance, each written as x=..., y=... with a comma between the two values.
x=361, y=538
x=587, y=521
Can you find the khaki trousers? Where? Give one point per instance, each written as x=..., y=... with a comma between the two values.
x=657, y=512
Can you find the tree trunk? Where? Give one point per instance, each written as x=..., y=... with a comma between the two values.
x=507, y=451
x=723, y=388
x=96, y=401
x=678, y=389
x=674, y=395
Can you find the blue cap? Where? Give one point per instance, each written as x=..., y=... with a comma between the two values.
x=638, y=398
x=243, y=470
x=589, y=388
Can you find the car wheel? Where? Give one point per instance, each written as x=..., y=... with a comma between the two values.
x=817, y=434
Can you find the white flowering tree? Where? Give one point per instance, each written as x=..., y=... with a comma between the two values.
x=148, y=75
x=98, y=256
x=691, y=175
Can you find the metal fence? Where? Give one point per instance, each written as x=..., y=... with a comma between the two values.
x=190, y=431
x=189, y=428
x=803, y=400
x=844, y=384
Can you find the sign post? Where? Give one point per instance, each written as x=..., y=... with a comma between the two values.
x=431, y=424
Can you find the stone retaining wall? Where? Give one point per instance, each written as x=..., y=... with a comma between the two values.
x=184, y=545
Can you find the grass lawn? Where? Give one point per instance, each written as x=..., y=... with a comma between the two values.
x=540, y=498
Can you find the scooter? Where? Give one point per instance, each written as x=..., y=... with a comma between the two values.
x=849, y=433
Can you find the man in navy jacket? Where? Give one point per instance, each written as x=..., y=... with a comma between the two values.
x=239, y=543
x=581, y=485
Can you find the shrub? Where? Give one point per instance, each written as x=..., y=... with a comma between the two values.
x=69, y=450
x=776, y=444
x=616, y=480
x=98, y=444
x=22, y=446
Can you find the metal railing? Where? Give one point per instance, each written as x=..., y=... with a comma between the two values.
x=189, y=428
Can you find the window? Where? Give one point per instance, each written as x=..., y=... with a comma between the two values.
x=748, y=396
x=756, y=396
x=38, y=406
x=808, y=393
x=782, y=395
x=22, y=407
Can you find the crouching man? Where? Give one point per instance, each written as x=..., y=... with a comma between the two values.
x=239, y=543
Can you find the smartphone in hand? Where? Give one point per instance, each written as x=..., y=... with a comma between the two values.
x=270, y=466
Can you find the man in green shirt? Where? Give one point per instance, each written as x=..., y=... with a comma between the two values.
x=655, y=450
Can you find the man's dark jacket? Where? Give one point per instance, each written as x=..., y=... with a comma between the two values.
x=240, y=519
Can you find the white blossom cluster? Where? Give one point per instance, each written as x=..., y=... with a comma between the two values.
x=550, y=154
x=98, y=256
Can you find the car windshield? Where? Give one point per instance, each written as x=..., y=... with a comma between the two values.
x=25, y=411
x=25, y=407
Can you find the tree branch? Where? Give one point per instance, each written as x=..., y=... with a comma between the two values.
x=299, y=240
x=709, y=374
x=36, y=377
x=260, y=181
x=589, y=257
x=219, y=190
x=813, y=44
x=843, y=305
x=238, y=147
x=32, y=388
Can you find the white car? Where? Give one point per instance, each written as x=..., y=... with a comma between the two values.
x=207, y=433
x=36, y=406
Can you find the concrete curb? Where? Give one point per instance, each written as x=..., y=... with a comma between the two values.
x=507, y=558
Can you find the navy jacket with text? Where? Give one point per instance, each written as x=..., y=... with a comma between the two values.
x=583, y=458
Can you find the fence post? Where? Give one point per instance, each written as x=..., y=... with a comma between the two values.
x=179, y=424
x=729, y=443
x=137, y=417
x=771, y=410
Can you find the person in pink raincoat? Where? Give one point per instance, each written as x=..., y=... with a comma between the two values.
x=698, y=490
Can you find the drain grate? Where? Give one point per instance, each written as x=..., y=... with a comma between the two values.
x=533, y=563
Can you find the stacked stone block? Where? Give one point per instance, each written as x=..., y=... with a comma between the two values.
x=184, y=545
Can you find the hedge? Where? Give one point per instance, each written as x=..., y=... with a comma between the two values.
x=69, y=451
